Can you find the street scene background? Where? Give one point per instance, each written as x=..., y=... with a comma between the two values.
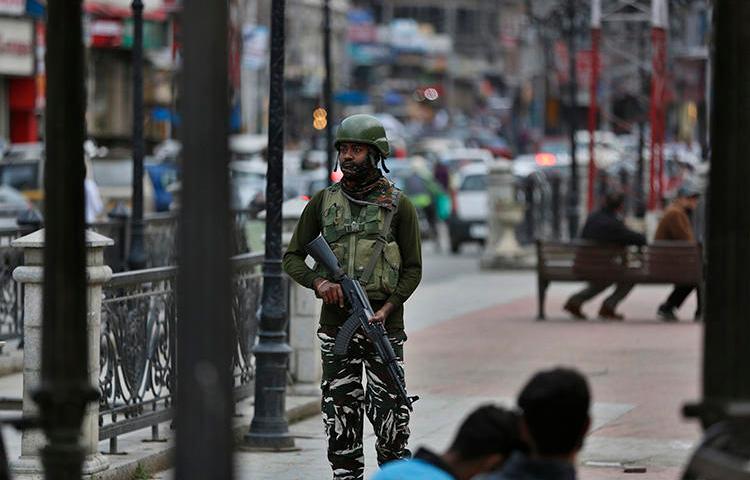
x=508, y=123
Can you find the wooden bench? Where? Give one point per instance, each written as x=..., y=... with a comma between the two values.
x=679, y=263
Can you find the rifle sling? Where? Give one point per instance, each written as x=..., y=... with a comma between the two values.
x=380, y=242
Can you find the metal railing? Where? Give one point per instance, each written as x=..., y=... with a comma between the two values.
x=138, y=345
x=11, y=293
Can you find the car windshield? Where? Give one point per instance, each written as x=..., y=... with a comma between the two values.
x=474, y=183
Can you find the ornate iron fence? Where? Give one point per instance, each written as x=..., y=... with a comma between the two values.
x=138, y=345
x=11, y=293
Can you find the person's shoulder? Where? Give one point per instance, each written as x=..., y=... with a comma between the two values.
x=672, y=213
x=403, y=200
x=412, y=469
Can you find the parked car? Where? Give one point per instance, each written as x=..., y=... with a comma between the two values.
x=468, y=221
x=12, y=204
x=247, y=180
x=454, y=159
x=22, y=168
x=114, y=178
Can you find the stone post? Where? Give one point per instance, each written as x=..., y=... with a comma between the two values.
x=502, y=250
x=30, y=275
x=304, y=316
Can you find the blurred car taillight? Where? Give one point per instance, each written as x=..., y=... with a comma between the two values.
x=545, y=159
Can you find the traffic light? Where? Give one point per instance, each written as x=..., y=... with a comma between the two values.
x=319, y=118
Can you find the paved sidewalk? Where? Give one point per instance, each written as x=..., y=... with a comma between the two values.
x=473, y=339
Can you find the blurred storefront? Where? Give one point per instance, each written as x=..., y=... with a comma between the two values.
x=109, y=36
x=18, y=68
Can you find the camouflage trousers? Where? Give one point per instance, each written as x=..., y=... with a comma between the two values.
x=345, y=402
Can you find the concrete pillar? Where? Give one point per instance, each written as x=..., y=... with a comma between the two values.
x=501, y=249
x=304, y=316
x=31, y=274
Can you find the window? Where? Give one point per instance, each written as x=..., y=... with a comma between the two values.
x=474, y=183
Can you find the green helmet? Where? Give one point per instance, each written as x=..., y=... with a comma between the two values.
x=365, y=129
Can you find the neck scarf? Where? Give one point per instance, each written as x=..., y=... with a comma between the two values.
x=366, y=183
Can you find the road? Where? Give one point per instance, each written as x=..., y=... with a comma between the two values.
x=473, y=339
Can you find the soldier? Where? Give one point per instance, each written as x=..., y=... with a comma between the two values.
x=361, y=215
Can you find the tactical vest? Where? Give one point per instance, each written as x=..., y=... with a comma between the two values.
x=353, y=241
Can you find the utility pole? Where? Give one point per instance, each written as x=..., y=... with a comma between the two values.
x=205, y=342
x=66, y=388
x=137, y=256
x=659, y=25
x=269, y=428
x=640, y=203
x=596, y=34
x=573, y=191
x=327, y=87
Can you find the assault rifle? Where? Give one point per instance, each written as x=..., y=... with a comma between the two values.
x=360, y=312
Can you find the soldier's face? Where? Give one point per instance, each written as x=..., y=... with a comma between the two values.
x=353, y=153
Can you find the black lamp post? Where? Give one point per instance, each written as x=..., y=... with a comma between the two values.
x=269, y=428
x=137, y=256
x=573, y=192
x=65, y=385
x=327, y=87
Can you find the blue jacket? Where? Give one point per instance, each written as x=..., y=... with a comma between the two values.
x=424, y=466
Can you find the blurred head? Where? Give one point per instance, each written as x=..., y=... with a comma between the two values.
x=688, y=196
x=555, y=406
x=614, y=201
x=484, y=440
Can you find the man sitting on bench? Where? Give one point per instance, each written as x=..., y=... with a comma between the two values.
x=605, y=226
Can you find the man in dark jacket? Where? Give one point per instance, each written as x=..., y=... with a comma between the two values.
x=555, y=419
x=605, y=226
x=675, y=225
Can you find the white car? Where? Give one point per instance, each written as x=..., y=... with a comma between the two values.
x=468, y=221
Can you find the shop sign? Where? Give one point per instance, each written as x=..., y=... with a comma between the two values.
x=16, y=46
x=106, y=33
x=12, y=7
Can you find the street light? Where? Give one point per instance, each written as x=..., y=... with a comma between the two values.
x=137, y=256
x=327, y=87
x=269, y=428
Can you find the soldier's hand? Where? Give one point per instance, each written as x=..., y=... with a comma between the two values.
x=382, y=314
x=330, y=292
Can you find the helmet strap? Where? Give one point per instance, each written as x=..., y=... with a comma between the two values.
x=336, y=163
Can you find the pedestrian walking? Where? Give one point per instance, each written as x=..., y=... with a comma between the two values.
x=94, y=206
x=676, y=225
x=485, y=440
x=606, y=226
x=362, y=214
x=555, y=419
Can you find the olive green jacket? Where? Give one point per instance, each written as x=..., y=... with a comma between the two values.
x=405, y=231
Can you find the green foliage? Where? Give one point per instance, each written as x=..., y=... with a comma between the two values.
x=141, y=473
